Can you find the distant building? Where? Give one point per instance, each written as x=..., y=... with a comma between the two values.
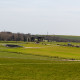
x=40, y=39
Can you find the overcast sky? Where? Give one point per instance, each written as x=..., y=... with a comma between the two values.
x=61, y=17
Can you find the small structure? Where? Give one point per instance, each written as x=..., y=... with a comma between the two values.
x=37, y=42
x=69, y=44
x=32, y=39
x=40, y=39
x=12, y=45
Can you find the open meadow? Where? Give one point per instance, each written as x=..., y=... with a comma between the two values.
x=43, y=61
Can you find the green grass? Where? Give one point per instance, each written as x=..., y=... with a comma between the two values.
x=69, y=37
x=25, y=69
x=51, y=50
x=42, y=63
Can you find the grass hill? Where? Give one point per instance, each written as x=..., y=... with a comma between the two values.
x=69, y=37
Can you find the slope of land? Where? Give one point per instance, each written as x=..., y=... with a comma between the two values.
x=44, y=63
x=69, y=37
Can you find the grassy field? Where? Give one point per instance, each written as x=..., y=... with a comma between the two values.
x=41, y=50
x=69, y=37
x=44, y=61
x=27, y=69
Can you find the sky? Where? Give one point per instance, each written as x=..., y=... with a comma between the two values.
x=59, y=17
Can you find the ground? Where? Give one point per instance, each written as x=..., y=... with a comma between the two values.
x=44, y=61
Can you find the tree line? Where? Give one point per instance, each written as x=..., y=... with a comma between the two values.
x=9, y=36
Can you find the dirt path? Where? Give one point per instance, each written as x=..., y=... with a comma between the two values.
x=33, y=47
x=69, y=60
